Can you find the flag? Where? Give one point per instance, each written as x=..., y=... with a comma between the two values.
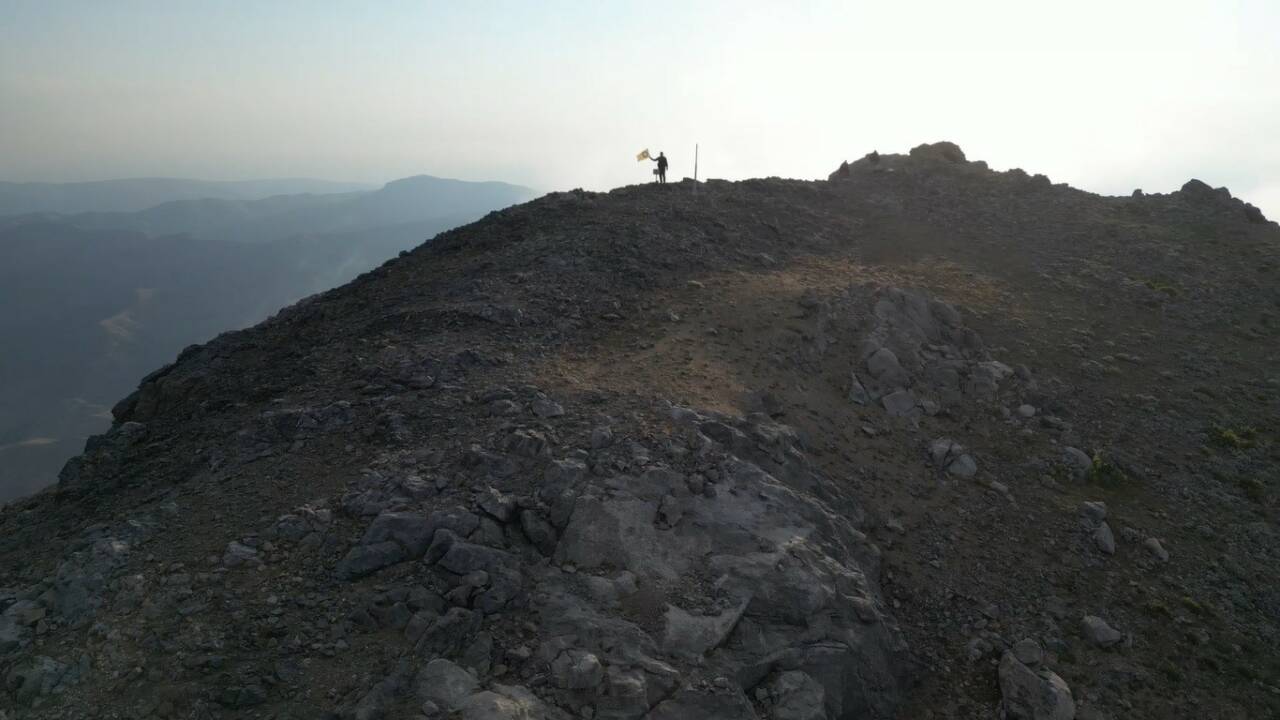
x=644, y=155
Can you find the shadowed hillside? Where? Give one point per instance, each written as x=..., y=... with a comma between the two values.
x=92, y=302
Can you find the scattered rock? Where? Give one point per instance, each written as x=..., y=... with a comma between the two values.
x=444, y=683
x=1077, y=461
x=1104, y=539
x=796, y=696
x=1094, y=511
x=1028, y=652
x=1030, y=695
x=951, y=456
x=237, y=555
x=1097, y=631
x=1156, y=549
x=601, y=437
x=577, y=670
x=544, y=407
x=899, y=404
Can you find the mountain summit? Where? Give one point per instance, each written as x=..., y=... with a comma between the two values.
x=921, y=440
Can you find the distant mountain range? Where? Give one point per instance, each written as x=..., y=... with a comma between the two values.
x=90, y=302
x=409, y=200
x=142, y=193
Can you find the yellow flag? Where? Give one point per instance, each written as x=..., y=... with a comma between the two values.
x=644, y=155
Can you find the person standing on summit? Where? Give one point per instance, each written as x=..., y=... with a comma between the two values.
x=662, y=167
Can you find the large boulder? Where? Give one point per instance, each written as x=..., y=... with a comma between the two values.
x=787, y=568
x=1028, y=694
x=944, y=151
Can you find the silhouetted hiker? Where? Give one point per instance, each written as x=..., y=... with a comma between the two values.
x=662, y=166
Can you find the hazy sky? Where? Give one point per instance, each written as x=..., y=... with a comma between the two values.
x=1107, y=96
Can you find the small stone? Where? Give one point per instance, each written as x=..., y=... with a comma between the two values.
x=1078, y=461
x=444, y=684
x=504, y=407
x=1026, y=411
x=238, y=554
x=544, y=407
x=1104, y=539
x=1155, y=548
x=577, y=670
x=883, y=362
x=501, y=507
x=963, y=467
x=1028, y=652
x=1097, y=631
x=601, y=437
x=900, y=403
x=1095, y=511
x=1030, y=695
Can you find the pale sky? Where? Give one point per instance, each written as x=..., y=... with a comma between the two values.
x=1107, y=96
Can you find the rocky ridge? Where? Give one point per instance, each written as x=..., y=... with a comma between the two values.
x=870, y=447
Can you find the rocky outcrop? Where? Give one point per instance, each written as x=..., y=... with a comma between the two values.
x=702, y=564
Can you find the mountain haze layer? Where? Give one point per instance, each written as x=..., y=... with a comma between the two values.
x=415, y=199
x=923, y=440
x=141, y=193
x=92, y=302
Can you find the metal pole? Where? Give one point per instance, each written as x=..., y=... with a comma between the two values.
x=695, y=162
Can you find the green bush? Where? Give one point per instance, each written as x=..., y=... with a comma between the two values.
x=1242, y=439
x=1103, y=472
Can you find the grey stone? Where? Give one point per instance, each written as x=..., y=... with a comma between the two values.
x=857, y=391
x=544, y=407
x=449, y=634
x=363, y=560
x=411, y=530
x=883, y=362
x=504, y=407
x=1028, y=652
x=506, y=702
x=601, y=437
x=1157, y=550
x=577, y=670
x=963, y=467
x=942, y=450
x=501, y=507
x=1077, y=461
x=41, y=676
x=686, y=704
x=1097, y=631
x=1026, y=411
x=1095, y=511
x=444, y=683
x=797, y=696
x=463, y=558
x=951, y=456
x=1030, y=695
x=625, y=695
x=1105, y=539
x=538, y=531
x=13, y=635
x=900, y=403
x=237, y=555
x=691, y=636
x=478, y=655
x=26, y=612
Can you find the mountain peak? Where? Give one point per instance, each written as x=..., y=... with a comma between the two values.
x=828, y=449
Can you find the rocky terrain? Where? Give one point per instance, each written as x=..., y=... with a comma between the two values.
x=923, y=440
